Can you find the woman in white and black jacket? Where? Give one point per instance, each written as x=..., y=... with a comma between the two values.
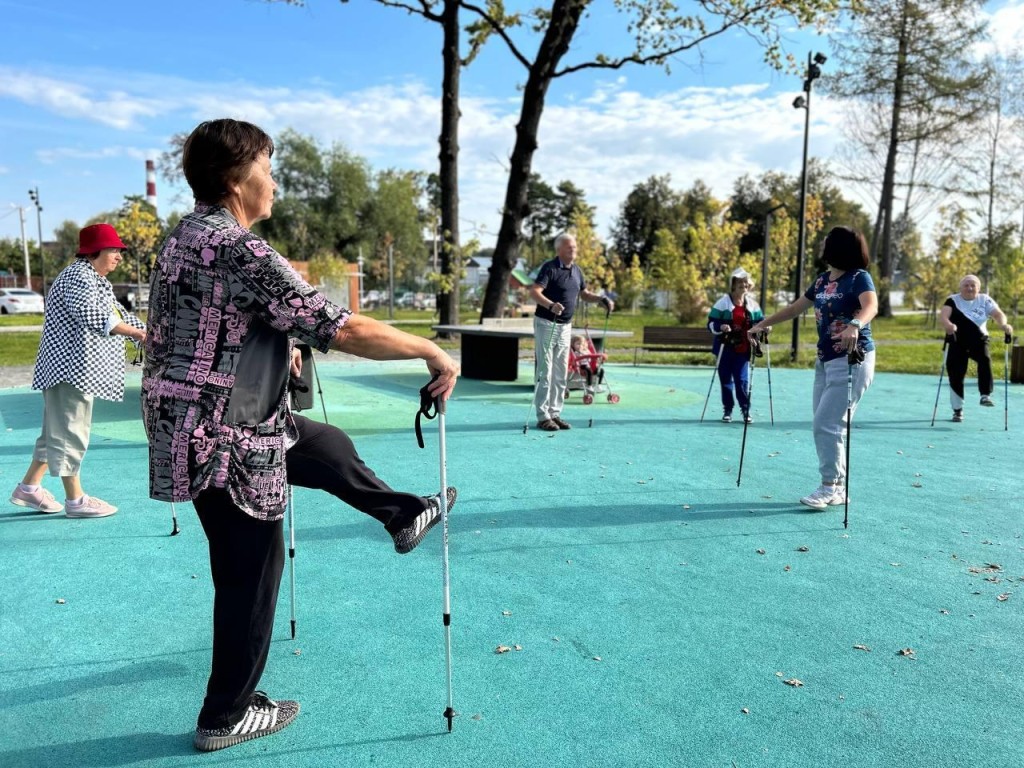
x=965, y=317
x=81, y=357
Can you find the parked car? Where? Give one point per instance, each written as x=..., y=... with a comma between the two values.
x=407, y=299
x=20, y=301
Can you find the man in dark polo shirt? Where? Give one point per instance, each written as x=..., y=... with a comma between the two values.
x=559, y=285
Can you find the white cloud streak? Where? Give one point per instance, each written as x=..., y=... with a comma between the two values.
x=606, y=142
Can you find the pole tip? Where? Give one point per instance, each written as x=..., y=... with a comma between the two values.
x=293, y=629
x=175, y=532
x=449, y=714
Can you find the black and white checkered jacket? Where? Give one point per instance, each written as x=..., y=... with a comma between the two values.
x=76, y=346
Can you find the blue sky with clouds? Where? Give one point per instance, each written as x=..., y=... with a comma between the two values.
x=90, y=90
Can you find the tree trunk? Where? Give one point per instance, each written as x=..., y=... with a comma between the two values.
x=451, y=261
x=882, y=242
x=565, y=18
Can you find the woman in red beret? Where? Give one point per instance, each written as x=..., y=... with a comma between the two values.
x=81, y=357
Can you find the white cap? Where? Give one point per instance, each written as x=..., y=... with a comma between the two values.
x=739, y=274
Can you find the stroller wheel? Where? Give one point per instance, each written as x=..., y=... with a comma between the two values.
x=613, y=398
x=588, y=399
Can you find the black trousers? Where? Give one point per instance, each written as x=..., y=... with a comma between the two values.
x=247, y=560
x=956, y=363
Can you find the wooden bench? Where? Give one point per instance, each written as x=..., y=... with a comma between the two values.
x=673, y=338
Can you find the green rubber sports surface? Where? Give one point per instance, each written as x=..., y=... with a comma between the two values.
x=654, y=613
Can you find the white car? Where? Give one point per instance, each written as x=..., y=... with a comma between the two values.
x=20, y=301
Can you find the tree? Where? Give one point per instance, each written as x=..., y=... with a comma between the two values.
x=908, y=66
x=659, y=33
x=954, y=256
x=140, y=229
x=651, y=206
x=997, y=162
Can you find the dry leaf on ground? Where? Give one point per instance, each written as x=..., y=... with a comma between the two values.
x=861, y=648
x=794, y=682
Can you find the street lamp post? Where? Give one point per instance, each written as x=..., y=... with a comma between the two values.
x=34, y=194
x=804, y=103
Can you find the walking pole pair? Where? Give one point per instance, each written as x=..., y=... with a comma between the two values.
x=1007, y=340
x=438, y=404
x=945, y=353
x=855, y=357
x=768, y=365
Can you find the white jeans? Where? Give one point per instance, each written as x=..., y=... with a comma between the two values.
x=830, y=400
x=551, y=346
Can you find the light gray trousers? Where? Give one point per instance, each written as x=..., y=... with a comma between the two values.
x=67, y=422
x=551, y=346
x=830, y=401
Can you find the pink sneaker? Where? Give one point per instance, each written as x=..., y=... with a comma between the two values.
x=41, y=500
x=90, y=507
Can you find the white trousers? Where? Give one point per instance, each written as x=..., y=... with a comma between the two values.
x=830, y=399
x=551, y=347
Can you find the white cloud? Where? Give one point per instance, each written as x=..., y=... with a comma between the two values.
x=1006, y=27
x=605, y=141
x=115, y=108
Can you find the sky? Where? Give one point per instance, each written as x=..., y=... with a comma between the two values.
x=90, y=91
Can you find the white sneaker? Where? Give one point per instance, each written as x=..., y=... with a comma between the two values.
x=90, y=507
x=823, y=496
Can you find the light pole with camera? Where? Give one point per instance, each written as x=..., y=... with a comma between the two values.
x=34, y=194
x=804, y=102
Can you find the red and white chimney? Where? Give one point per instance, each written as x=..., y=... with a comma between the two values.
x=151, y=183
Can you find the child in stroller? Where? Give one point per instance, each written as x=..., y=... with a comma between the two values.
x=586, y=369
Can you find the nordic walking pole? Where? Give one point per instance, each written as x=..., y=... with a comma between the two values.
x=856, y=357
x=536, y=371
x=746, y=421
x=438, y=405
x=768, y=360
x=446, y=616
x=291, y=551
x=714, y=374
x=1007, y=341
x=942, y=370
x=319, y=389
x=174, y=519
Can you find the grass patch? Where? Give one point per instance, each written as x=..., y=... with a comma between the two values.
x=906, y=343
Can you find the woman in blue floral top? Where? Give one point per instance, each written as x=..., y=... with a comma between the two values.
x=225, y=309
x=845, y=303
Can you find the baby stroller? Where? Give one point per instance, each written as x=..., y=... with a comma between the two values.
x=586, y=370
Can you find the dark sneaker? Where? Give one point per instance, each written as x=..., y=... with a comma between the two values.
x=262, y=718
x=987, y=401
x=958, y=414
x=548, y=425
x=407, y=539
x=41, y=500
x=727, y=417
x=561, y=424
x=748, y=419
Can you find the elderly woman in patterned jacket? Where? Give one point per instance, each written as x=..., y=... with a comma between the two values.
x=81, y=356
x=224, y=309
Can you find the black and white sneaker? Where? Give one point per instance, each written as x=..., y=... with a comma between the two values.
x=726, y=417
x=407, y=539
x=958, y=414
x=262, y=718
x=987, y=401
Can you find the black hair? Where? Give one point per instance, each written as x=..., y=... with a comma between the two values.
x=845, y=248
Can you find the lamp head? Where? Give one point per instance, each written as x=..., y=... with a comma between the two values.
x=799, y=103
x=820, y=58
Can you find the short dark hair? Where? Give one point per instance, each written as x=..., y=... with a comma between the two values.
x=845, y=248
x=218, y=153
